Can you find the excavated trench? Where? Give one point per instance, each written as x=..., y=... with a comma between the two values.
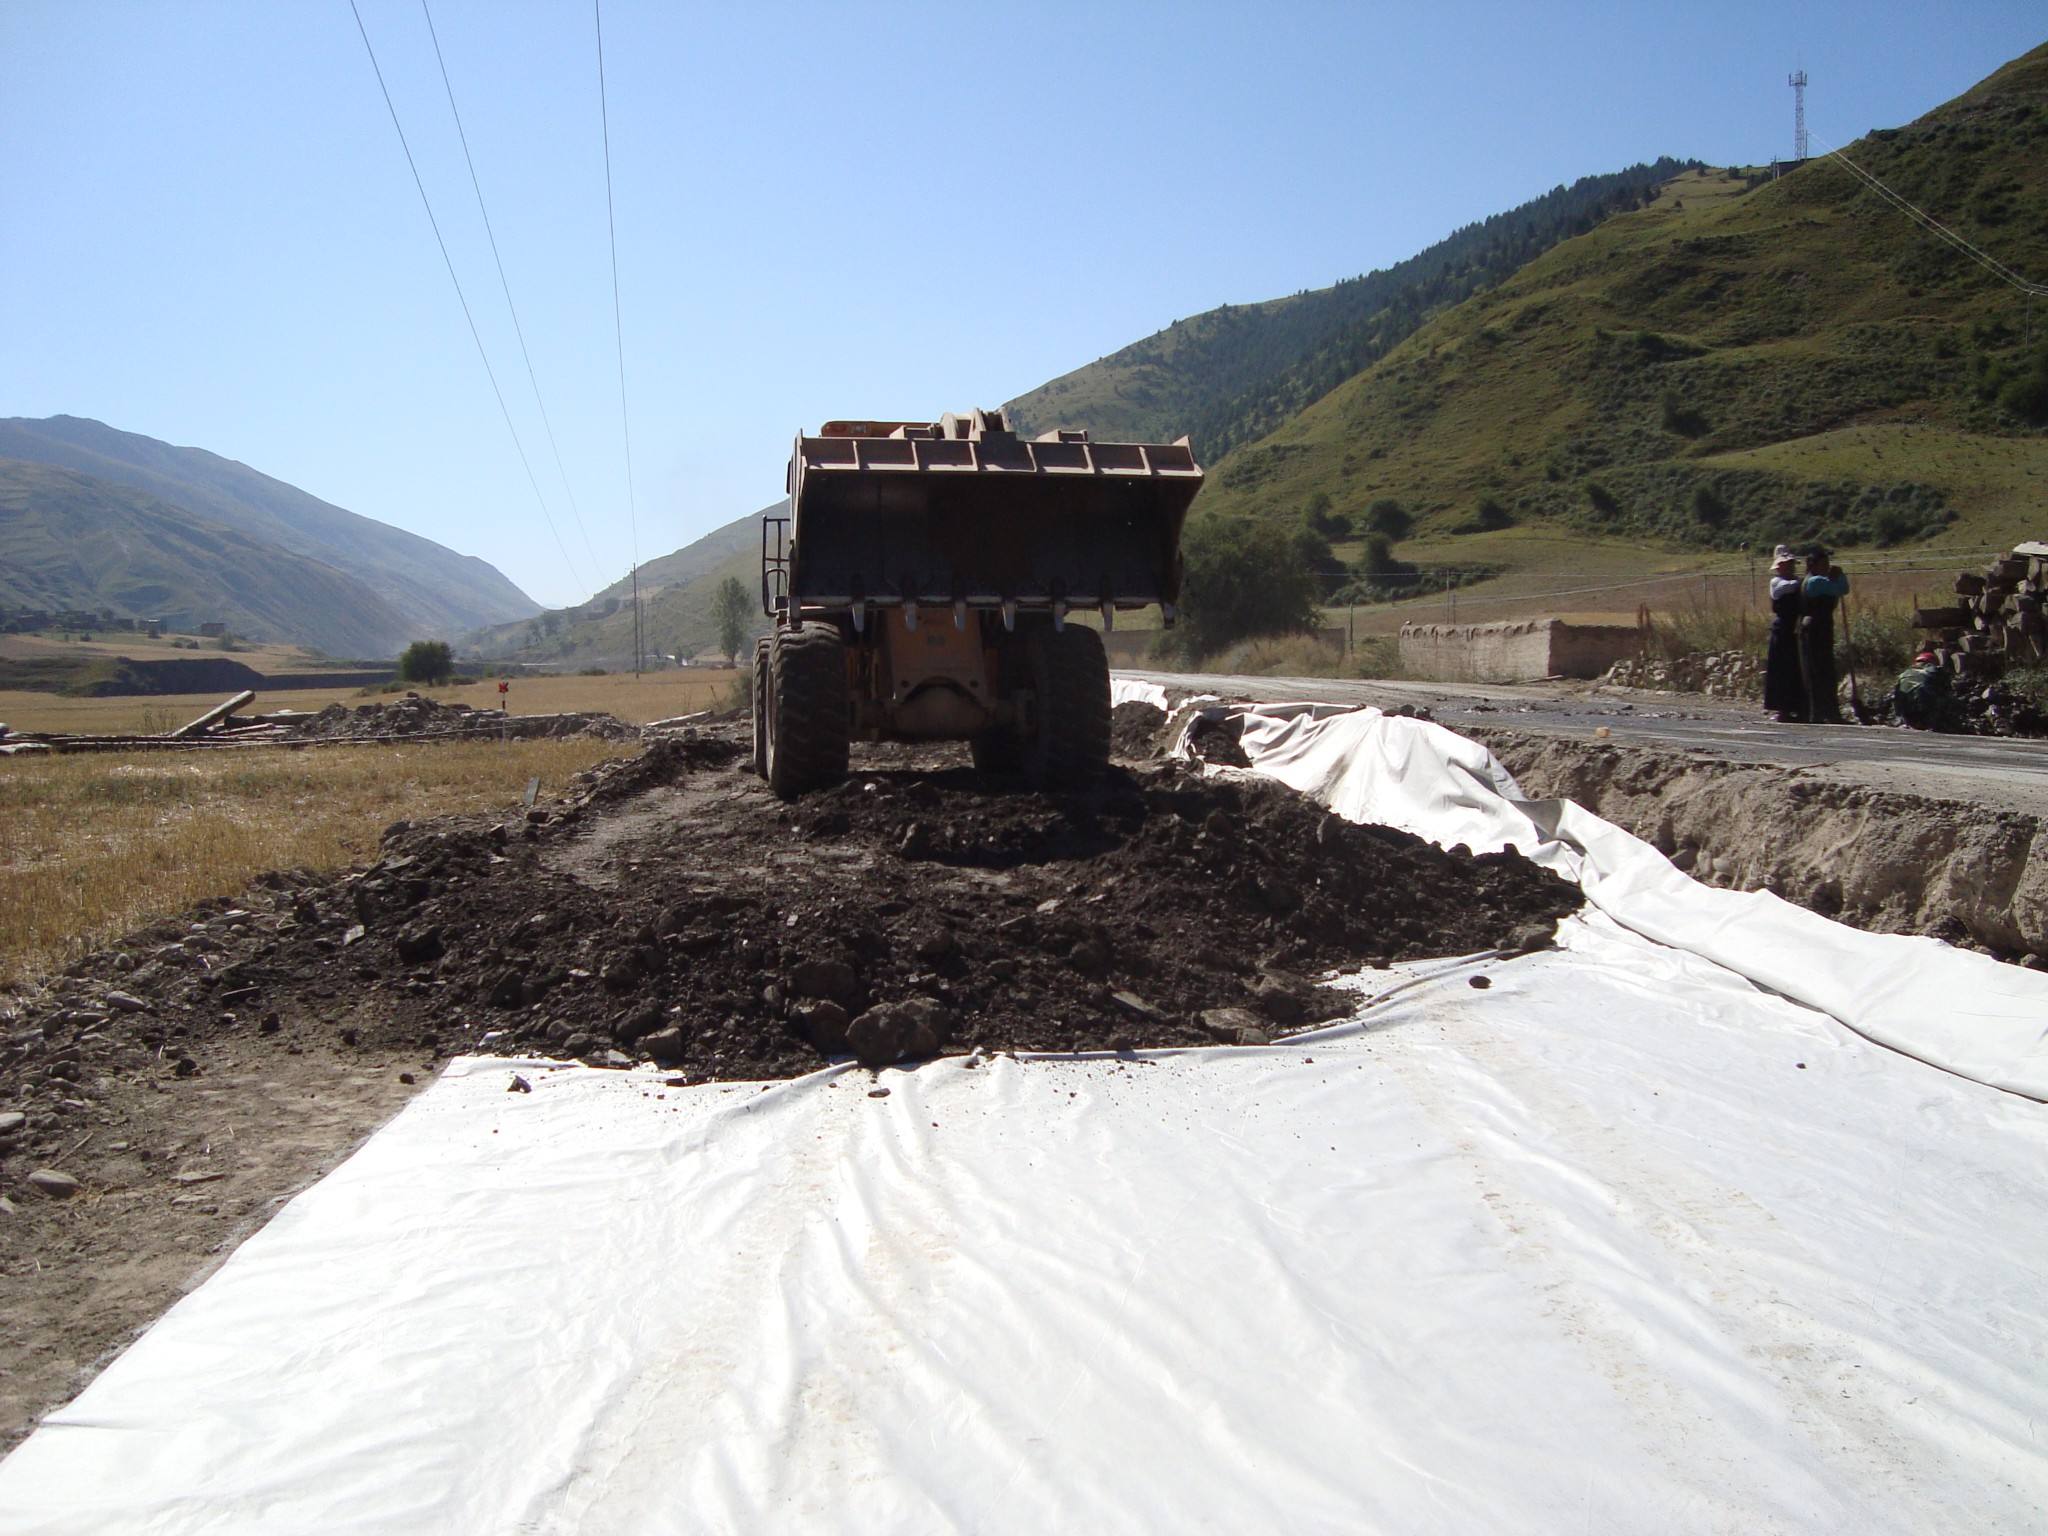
x=1889, y=863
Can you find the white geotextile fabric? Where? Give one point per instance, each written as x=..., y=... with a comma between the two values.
x=1960, y=1011
x=1621, y=1243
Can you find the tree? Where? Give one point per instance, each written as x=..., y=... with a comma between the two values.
x=426, y=661
x=1388, y=517
x=1317, y=517
x=734, y=612
x=1240, y=578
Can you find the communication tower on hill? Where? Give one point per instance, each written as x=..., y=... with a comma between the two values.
x=1797, y=81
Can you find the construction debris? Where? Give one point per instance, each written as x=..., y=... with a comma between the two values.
x=1997, y=620
x=411, y=718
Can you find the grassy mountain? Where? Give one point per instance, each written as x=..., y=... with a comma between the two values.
x=434, y=590
x=1739, y=362
x=1232, y=374
x=68, y=540
x=676, y=593
x=715, y=550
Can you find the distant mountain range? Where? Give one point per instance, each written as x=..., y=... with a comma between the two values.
x=92, y=517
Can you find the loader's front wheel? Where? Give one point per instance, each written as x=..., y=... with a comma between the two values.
x=808, y=727
x=1070, y=675
x=996, y=751
x=761, y=706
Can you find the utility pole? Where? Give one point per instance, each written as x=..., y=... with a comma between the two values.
x=639, y=650
x=1797, y=80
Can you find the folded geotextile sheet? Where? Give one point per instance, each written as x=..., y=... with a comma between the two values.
x=1649, y=1233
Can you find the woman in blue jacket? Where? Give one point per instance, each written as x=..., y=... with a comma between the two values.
x=1824, y=587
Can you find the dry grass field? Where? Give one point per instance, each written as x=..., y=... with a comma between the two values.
x=93, y=845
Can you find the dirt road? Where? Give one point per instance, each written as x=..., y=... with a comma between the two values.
x=2001, y=775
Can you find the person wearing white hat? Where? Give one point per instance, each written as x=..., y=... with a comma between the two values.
x=1784, y=684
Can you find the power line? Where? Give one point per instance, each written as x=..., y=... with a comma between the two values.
x=618, y=330
x=1930, y=223
x=517, y=329
x=474, y=335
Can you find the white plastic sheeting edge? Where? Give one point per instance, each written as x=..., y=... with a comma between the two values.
x=1621, y=1243
x=1957, y=1010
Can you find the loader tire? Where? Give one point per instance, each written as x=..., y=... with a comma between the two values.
x=996, y=751
x=807, y=709
x=1070, y=675
x=760, y=684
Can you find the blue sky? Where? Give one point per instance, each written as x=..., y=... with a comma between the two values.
x=208, y=233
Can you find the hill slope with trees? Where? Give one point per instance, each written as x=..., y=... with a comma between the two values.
x=1735, y=364
x=1232, y=374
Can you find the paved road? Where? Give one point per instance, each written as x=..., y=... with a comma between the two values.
x=1991, y=771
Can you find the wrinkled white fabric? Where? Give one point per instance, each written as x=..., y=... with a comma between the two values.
x=1622, y=1242
x=1960, y=1011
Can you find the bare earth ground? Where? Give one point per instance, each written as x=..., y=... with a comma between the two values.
x=201, y=1071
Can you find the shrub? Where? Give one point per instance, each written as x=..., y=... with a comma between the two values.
x=1388, y=517
x=1490, y=517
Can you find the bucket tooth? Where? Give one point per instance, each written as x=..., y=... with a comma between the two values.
x=1009, y=615
x=960, y=614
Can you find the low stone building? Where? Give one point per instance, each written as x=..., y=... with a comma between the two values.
x=1518, y=650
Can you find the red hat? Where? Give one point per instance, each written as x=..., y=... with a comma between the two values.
x=1925, y=656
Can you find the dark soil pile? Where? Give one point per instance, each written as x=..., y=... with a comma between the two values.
x=671, y=909
x=415, y=716
x=1134, y=730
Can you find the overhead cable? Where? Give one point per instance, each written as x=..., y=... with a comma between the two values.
x=618, y=328
x=517, y=329
x=1927, y=221
x=568, y=563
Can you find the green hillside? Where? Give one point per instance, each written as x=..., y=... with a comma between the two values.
x=676, y=593
x=68, y=540
x=1735, y=364
x=432, y=589
x=1232, y=374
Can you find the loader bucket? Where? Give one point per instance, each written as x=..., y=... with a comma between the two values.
x=962, y=511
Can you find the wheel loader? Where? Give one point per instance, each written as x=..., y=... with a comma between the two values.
x=924, y=586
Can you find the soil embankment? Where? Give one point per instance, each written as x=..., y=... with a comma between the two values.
x=1889, y=863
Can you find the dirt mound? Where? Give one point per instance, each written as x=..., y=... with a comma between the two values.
x=671, y=909
x=413, y=715
x=1134, y=730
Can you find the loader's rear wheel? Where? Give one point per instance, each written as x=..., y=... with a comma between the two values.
x=807, y=709
x=1070, y=675
x=761, y=707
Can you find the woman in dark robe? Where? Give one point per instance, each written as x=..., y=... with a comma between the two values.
x=1784, y=685
x=1824, y=587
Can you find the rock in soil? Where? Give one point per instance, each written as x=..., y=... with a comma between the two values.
x=53, y=1183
